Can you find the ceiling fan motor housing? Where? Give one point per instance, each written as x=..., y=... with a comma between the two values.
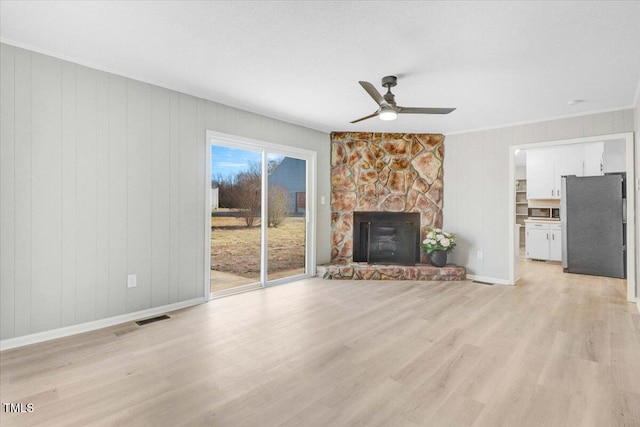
x=389, y=81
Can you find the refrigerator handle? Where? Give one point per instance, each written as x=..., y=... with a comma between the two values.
x=563, y=222
x=547, y=236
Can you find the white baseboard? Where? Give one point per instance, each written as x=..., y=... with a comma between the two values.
x=489, y=280
x=93, y=325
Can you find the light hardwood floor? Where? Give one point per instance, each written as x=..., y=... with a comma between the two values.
x=556, y=350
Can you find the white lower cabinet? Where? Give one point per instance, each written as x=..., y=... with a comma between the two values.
x=537, y=241
x=555, y=242
x=544, y=241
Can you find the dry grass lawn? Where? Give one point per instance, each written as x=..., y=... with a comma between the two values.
x=235, y=248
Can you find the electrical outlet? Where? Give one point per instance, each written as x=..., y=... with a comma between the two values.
x=480, y=255
x=132, y=281
x=322, y=200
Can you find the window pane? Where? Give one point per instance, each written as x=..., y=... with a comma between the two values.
x=287, y=186
x=235, y=217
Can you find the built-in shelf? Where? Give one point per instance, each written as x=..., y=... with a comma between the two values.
x=521, y=205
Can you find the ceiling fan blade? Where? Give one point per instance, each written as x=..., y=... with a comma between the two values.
x=373, y=92
x=414, y=110
x=365, y=117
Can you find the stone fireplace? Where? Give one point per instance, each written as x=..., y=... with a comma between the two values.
x=380, y=172
x=399, y=176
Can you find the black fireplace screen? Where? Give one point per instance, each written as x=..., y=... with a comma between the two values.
x=386, y=237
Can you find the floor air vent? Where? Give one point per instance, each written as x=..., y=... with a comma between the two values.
x=482, y=283
x=152, y=319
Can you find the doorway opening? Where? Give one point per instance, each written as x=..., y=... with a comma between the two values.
x=537, y=204
x=260, y=215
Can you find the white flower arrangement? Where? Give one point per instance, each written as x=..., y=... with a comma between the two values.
x=438, y=240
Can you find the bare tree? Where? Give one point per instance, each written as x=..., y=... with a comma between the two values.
x=278, y=205
x=245, y=194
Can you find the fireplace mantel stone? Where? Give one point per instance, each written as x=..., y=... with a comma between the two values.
x=365, y=271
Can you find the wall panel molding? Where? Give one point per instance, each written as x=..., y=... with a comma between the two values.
x=102, y=176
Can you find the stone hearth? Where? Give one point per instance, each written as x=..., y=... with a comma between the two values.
x=364, y=271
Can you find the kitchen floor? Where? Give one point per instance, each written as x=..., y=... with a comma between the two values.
x=555, y=268
x=545, y=267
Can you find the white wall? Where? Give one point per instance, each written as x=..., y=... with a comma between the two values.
x=476, y=187
x=70, y=133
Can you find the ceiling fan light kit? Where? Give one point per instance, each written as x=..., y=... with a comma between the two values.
x=388, y=109
x=387, y=114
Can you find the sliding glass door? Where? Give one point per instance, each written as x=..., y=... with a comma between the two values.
x=236, y=238
x=260, y=215
x=286, y=213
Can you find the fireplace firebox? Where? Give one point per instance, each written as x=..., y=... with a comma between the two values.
x=386, y=237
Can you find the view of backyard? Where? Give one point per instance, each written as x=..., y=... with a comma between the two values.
x=236, y=184
x=235, y=249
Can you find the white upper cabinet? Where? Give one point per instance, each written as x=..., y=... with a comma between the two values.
x=614, y=156
x=569, y=160
x=593, y=158
x=540, y=169
x=546, y=166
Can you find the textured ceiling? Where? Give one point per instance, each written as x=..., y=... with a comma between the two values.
x=499, y=63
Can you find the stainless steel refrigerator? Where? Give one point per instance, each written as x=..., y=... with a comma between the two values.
x=592, y=214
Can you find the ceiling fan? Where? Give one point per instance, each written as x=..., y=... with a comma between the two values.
x=389, y=110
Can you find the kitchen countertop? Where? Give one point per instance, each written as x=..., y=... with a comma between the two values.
x=542, y=220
